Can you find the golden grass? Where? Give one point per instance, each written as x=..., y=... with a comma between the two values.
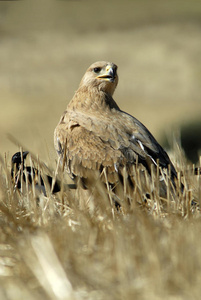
x=76, y=245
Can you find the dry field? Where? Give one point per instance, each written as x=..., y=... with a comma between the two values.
x=75, y=245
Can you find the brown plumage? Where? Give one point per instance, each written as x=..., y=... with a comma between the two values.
x=94, y=133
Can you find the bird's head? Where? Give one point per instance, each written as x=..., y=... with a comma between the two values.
x=18, y=158
x=101, y=75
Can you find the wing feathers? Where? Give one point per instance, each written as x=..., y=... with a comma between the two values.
x=97, y=134
x=92, y=142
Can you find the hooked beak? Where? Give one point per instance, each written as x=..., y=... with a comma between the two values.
x=25, y=154
x=109, y=74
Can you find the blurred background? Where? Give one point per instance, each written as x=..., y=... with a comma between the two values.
x=46, y=46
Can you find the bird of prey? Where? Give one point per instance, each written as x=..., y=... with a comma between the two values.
x=94, y=134
x=20, y=172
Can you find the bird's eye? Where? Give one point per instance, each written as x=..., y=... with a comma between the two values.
x=97, y=70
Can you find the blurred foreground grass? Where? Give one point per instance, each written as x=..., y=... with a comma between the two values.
x=45, y=48
x=76, y=245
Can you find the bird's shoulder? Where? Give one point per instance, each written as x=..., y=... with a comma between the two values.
x=113, y=129
x=114, y=126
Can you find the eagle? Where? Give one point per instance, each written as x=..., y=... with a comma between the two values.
x=94, y=136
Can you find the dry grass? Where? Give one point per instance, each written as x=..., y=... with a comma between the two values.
x=76, y=245
x=47, y=47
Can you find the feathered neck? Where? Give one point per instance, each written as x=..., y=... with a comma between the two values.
x=91, y=99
